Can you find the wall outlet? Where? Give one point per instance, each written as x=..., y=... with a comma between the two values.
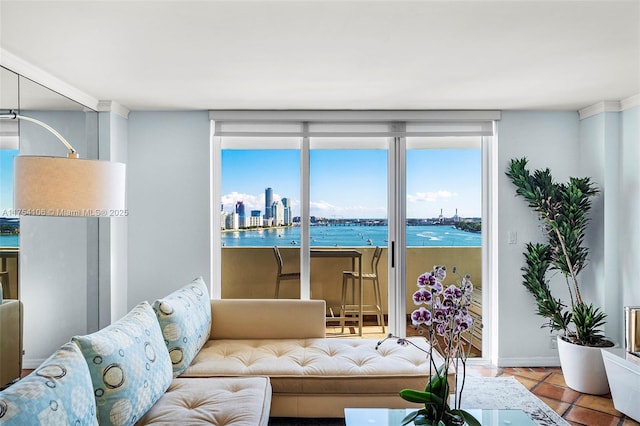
x=553, y=342
x=512, y=237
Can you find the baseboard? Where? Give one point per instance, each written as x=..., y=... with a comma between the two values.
x=31, y=364
x=544, y=361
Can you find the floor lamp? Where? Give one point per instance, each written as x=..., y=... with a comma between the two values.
x=59, y=186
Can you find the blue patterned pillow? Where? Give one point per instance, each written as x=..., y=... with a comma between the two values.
x=129, y=365
x=57, y=392
x=185, y=321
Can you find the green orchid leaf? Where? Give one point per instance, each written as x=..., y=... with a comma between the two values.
x=421, y=420
x=409, y=418
x=436, y=385
x=420, y=397
x=413, y=395
x=468, y=418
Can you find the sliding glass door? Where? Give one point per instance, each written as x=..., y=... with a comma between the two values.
x=444, y=216
x=329, y=187
x=348, y=214
x=259, y=214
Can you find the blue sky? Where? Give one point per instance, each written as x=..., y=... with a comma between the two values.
x=344, y=183
x=6, y=179
x=353, y=183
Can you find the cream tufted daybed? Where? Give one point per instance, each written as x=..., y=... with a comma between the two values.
x=311, y=375
x=191, y=360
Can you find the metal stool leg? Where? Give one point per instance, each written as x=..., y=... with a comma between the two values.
x=343, y=302
x=378, y=295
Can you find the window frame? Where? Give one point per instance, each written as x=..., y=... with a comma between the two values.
x=397, y=126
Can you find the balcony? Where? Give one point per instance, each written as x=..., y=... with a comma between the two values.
x=9, y=265
x=250, y=273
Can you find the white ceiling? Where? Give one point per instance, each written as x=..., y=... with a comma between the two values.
x=476, y=54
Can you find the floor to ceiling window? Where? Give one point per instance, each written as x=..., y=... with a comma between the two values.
x=9, y=218
x=444, y=216
x=348, y=212
x=259, y=212
x=412, y=183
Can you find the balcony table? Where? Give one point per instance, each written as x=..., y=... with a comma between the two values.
x=349, y=253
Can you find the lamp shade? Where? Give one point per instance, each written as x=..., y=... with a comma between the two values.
x=58, y=186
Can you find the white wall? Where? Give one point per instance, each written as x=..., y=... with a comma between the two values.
x=113, y=231
x=629, y=202
x=54, y=252
x=605, y=147
x=547, y=139
x=168, y=201
x=601, y=158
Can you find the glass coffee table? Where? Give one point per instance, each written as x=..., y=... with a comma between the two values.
x=394, y=416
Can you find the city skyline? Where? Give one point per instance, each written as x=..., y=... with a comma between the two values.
x=353, y=183
x=343, y=183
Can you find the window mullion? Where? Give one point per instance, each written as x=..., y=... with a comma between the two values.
x=216, y=195
x=305, y=257
x=397, y=239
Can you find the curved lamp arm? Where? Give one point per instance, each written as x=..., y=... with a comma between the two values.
x=58, y=186
x=13, y=116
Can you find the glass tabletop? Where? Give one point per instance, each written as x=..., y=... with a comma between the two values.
x=394, y=416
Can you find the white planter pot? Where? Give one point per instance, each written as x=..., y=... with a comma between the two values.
x=583, y=368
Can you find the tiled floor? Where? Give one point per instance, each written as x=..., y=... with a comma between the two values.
x=576, y=408
x=548, y=385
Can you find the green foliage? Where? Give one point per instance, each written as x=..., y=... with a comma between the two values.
x=538, y=261
x=588, y=321
x=469, y=226
x=436, y=409
x=563, y=210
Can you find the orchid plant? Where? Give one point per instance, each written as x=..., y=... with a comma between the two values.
x=442, y=319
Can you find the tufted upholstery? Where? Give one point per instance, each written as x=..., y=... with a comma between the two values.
x=306, y=373
x=311, y=376
x=220, y=401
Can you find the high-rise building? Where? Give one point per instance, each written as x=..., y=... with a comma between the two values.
x=268, y=201
x=240, y=208
x=232, y=221
x=288, y=219
x=242, y=219
x=277, y=213
x=255, y=219
x=223, y=220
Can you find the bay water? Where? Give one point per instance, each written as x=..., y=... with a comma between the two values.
x=352, y=236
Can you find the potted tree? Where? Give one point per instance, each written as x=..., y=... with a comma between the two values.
x=562, y=208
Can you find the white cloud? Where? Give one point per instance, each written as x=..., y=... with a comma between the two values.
x=251, y=202
x=420, y=197
x=323, y=206
x=326, y=209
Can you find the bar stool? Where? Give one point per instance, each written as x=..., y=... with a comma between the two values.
x=372, y=277
x=4, y=282
x=282, y=276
